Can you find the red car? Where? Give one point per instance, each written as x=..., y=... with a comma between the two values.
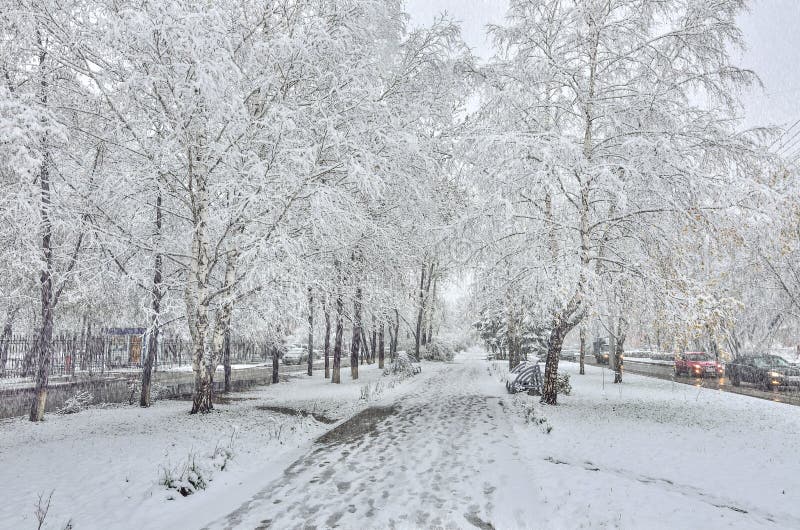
x=698, y=364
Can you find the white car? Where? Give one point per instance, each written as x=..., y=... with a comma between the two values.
x=295, y=355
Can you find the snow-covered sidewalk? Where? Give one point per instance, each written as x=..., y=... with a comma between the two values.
x=461, y=453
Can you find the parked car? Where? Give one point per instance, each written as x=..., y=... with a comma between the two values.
x=569, y=354
x=525, y=376
x=295, y=355
x=697, y=364
x=765, y=371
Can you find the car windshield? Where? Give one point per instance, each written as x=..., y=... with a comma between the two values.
x=697, y=357
x=771, y=361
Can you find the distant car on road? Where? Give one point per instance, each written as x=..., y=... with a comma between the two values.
x=601, y=350
x=765, y=371
x=697, y=364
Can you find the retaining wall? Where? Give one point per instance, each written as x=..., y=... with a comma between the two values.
x=116, y=388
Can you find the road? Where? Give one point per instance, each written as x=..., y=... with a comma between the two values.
x=440, y=456
x=662, y=371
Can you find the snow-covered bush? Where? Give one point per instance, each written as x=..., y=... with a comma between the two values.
x=187, y=478
x=195, y=473
x=157, y=391
x=562, y=384
x=460, y=345
x=77, y=403
x=438, y=350
x=224, y=453
x=532, y=417
x=404, y=365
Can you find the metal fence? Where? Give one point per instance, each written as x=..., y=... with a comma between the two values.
x=73, y=355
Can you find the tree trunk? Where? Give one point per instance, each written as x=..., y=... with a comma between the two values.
x=203, y=397
x=550, y=387
x=380, y=346
x=391, y=341
x=155, y=304
x=44, y=342
x=365, y=348
x=511, y=335
x=420, y=310
x=275, y=356
x=583, y=349
x=44, y=338
x=337, y=342
x=374, y=342
x=327, y=340
x=395, y=338
x=226, y=361
x=431, y=310
x=354, y=346
x=310, y=361
x=619, y=345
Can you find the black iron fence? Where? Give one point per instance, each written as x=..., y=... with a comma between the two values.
x=73, y=355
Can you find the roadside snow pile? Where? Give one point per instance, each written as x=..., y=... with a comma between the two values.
x=438, y=350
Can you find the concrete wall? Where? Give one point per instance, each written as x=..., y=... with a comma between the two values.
x=115, y=388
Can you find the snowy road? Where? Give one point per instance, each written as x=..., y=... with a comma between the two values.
x=667, y=372
x=444, y=455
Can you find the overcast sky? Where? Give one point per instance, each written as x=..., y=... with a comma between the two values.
x=772, y=32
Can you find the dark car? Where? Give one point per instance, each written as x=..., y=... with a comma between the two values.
x=697, y=364
x=601, y=351
x=765, y=371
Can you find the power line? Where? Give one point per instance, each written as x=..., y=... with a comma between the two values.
x=785, y=146
x=784, y=133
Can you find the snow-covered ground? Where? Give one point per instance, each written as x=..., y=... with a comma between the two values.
x=103, y=465
x=448, y=448
x=656, y=454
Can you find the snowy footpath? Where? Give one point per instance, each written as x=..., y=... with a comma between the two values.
x=446, y=449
